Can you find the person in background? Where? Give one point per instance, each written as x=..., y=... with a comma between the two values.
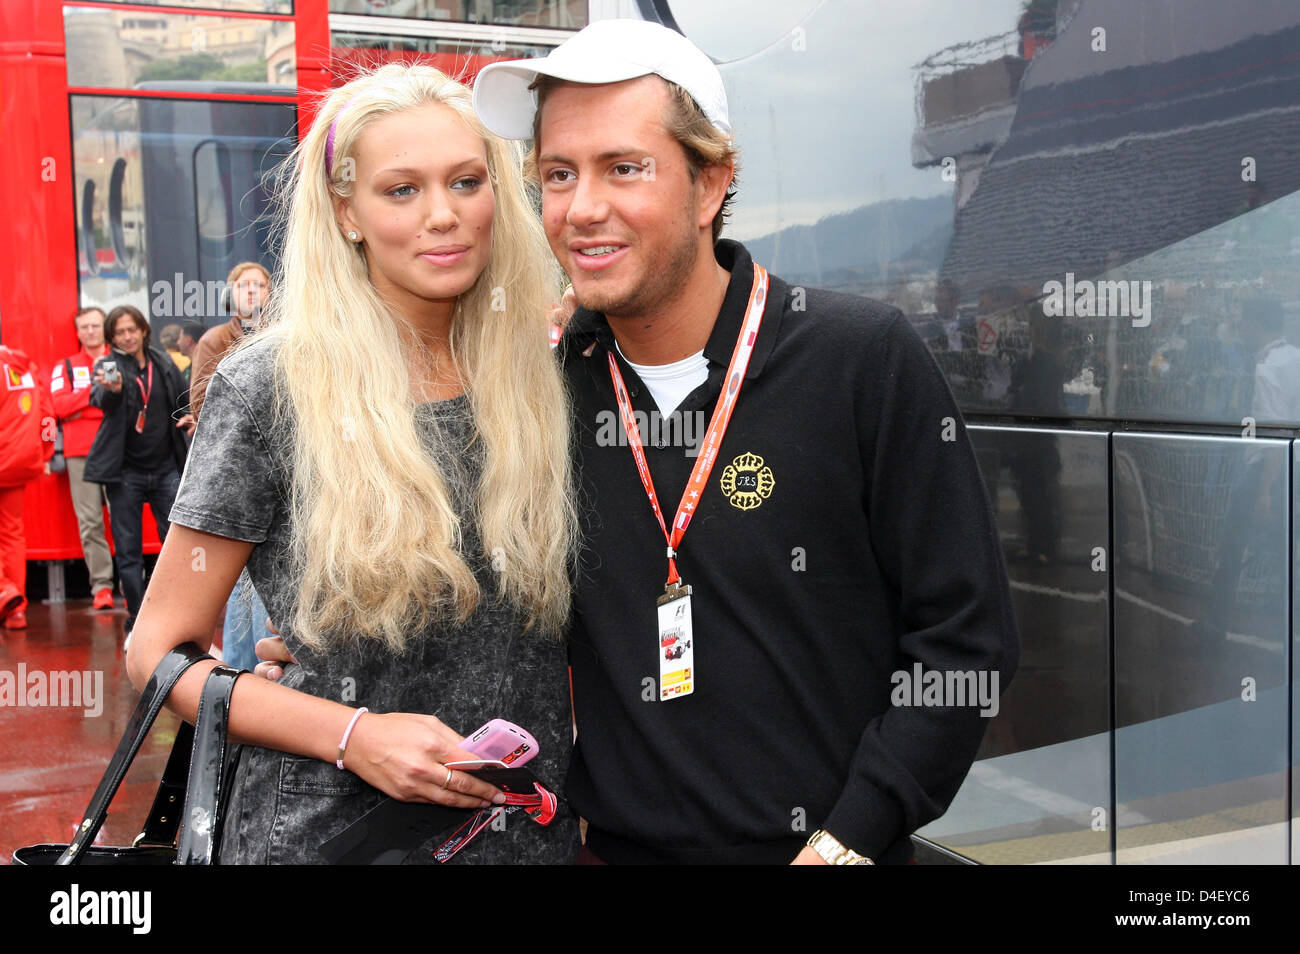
x=1257, y=488
x=140, y=449
x=26, y=444
x=955, y=334
x=249, y=284
x=70, y=390
x=170, y=337
x=191, y=332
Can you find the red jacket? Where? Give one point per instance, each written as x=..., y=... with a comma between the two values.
x=72, y=404
x=26, y=420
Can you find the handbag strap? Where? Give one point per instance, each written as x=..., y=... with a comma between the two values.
x=205, y=794
x=155, y=693
x=164, y=816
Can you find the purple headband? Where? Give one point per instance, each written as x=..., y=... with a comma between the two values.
x=329, y=138
x=329, y=143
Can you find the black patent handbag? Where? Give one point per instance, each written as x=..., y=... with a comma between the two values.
x=184, y=823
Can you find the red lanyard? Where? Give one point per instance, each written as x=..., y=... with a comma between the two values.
x=145, y=392
x=717, y=426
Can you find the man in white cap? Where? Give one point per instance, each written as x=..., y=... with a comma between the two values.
x=843, y=541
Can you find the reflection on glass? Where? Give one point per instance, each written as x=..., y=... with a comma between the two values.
x=1201, y=632
x=1195, y=332
x=728, y=30
x=352, y=53
x=824, y=118
x=125, y=49
x=248, y=6
x=560, y=14
x=1217, y=347
x=1125, y=197
x=107, y=160
x=212, y=165
x=1295, y=668
x=987, y=146
x=189, y=171
x=1074, y=235
x=1043, y=770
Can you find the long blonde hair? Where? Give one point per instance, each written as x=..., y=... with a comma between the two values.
x=375, y=530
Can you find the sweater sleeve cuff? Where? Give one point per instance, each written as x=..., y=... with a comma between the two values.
x=865, y=819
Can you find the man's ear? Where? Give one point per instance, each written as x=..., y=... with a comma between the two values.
x=714, y=180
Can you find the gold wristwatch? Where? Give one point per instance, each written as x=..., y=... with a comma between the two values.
x=833, y=851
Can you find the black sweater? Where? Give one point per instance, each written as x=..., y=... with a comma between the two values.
x=874, y=549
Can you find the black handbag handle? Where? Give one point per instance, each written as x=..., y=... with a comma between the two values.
x=155, y=693
x=202, y=819
x=164, y=816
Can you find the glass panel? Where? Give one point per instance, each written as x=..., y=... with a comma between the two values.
x=133, y=49
x=109, y=200
x=462, y=59
x=885, y=148
x=561, y=14
x=170, y=195
x=1040, y=788
x=250, y=6
x=1202, y=626
x=1295, y=666
x=212, y=163
x=1198, y=331
x=955, y=159
x=829, y=194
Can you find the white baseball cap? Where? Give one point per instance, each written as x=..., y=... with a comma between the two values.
x=607, y=51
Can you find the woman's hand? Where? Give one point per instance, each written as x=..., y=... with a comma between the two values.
x=404, y=754
x=188, y=422
x=561, y=312
x=273, y=655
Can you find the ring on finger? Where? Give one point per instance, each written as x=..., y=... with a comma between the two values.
x=447, y=780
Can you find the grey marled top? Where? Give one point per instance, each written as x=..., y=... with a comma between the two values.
x=236, y=485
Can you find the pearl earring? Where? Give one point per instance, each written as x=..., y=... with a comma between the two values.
x=352, y=236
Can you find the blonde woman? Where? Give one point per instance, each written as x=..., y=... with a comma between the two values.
x=389, y=458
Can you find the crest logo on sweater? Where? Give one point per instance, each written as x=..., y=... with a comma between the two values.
x=746, y=482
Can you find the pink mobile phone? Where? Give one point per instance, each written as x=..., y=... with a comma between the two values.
x=501, y=741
